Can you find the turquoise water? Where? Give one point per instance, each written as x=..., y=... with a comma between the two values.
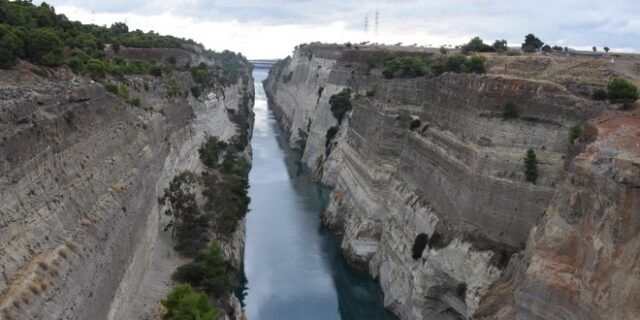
x=293, y=266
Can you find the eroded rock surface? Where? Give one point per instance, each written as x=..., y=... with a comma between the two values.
x=81, y=231
x=434, y=156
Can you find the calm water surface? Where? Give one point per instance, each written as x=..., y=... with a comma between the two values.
x=293, y=266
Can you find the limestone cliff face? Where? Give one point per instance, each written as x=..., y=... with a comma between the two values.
x=585, y=253
x=80, y=174
x=455, y=176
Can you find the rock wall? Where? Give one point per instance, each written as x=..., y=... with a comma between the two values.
x=585, y=253
x=456, y=176
x=80, y=174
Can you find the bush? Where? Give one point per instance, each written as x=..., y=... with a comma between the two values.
x=600, y=95
x=135, y=101
x=404, y=67
x=44, y=47
x=475, y=64
x=454, y=63
x=574, y=132
x=96, y=69
x=210, y=151
x=620, y=90
x=415, y=124
x=510, y=111
x=111, y=87
x=418, y=246
x=196, y=91
x=531, y=166
x=372, y=90
x=10, y=47
x=173, y=89
x=331, y=133
x=184, y=303
x=500, y=45
x=340, y=104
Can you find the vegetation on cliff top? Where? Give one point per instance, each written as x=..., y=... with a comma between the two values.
x=622, y=91
x=37, y=34
x=411, y=67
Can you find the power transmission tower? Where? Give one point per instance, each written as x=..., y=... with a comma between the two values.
x=366, y=23
x=377, y=19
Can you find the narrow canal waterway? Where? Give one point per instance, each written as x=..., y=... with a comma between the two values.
x=293, y=266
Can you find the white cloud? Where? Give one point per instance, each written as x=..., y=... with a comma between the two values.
x=265, y=29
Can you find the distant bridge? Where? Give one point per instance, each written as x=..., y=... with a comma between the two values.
x=263, y=63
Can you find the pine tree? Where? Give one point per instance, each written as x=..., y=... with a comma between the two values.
x=531, y=166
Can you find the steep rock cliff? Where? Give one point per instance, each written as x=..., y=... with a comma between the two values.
x=455, y=175
x=81, y=231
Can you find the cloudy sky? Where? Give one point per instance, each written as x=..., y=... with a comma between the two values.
x=271, y=28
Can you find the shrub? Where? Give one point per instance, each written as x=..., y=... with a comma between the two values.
x=96, y=69
x=196, y=91
x=372, y=90
x=173, y=89
x=475, y=64
x=340, y=104
x=287, y=77
x=510, y=111
x=437, y=241
x=443, y=50
x=331, y=133
x=135, y=101
x=600, y=94
x=461, y=290
x=574, y=132
x=531, y=166
x=44, y=47
x=184, y=303
x=418, y=246
x=111, y=87
x=10, y=46
x=404, y=67
x=415, y=124
x=620, y=90
x=454, y=63
x=210, y=151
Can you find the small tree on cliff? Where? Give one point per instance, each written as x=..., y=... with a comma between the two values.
x=340, y=104
x=622, y=91
x=531, y=166
x=185, y=303
x=531, y=43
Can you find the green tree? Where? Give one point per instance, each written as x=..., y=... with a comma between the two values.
x=214, y=270
x=119, y=28
x=510, y=110
x=10, y=46
x=620, y=90
x=183, y=303
x=404, y=67
x=547, y=48
x=606, y=49
x=531, y=166
x=477, y=45
x=500, y=45
x=340, y=104
x=44, y=47
x=531, y=43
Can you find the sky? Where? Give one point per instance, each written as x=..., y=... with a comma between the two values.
x=272, y=28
